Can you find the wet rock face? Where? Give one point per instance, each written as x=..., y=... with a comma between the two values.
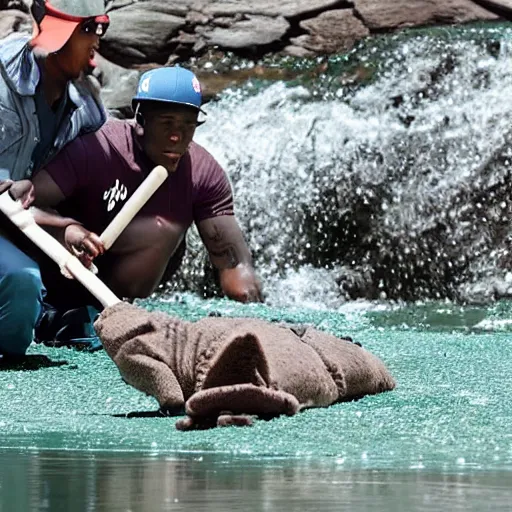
x=146, y=33
x=254, y=30
x=21, y=5
x=154, y=29
x=14, y=20
x=143, y=32
x=392, y=14
x=331, y=31
x=160, y=31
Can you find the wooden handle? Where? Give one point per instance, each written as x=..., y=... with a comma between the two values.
x=24, y=220
x=139, y=198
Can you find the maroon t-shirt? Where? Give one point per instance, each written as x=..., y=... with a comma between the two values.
x=98, y=172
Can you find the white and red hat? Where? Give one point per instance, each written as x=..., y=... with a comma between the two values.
x=56, y=20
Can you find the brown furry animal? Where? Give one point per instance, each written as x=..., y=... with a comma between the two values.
x=223, y=370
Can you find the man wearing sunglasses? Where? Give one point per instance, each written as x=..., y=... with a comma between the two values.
x=46, y=101
x=93, y=177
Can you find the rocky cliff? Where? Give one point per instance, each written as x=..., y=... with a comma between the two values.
x=148, y=32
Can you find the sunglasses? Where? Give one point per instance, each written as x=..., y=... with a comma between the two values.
x=93, y=26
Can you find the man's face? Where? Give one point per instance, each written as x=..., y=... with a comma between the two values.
x=77, y=55
x=168, y=131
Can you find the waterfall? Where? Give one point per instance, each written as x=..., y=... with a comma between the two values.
x=395, y=187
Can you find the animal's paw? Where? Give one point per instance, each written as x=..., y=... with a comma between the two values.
x=224, y=419
x=227, y=419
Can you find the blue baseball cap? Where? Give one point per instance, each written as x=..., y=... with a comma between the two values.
x=169, y=85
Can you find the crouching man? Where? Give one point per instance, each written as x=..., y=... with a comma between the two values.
x=92, y=177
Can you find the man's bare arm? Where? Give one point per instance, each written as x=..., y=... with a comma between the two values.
x=22, y=190
x=47, y=192
x=224, y=240
x=229, y=253
x=69, y=232
x=47, y=195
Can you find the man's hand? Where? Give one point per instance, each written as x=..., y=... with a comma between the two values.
x=22, y=191
x=241, y=284
x=83, y=243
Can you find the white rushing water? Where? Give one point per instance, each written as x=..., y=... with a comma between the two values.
x=399, y=188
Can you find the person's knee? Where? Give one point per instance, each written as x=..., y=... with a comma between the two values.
x=22, y=285
x=21, y=295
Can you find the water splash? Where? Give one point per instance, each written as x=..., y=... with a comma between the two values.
x=398, y=188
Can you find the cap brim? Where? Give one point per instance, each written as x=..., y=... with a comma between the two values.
x=136, y=100
x=54, y=33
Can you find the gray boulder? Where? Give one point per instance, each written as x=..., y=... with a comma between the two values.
x=331, y=32
x=252, y=31
x=393, y=14
x=13, y=20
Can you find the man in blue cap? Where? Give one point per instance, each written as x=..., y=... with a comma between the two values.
x=91, y=179
x=45, y=102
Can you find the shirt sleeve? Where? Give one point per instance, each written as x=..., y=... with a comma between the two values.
x=214, y=195
x=70, y=168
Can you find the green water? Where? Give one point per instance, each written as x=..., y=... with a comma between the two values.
x=126, y=482
x=449, y=415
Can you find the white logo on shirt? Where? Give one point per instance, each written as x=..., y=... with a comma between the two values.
x=114, y=194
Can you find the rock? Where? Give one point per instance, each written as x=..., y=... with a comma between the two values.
x=201, y=29
x=173, y=58
x=151, y=32
x=254, y=31
x=20, y=5
x=145, y=31
x=297, y=51
x=286, y=8
x=14, y=21
x=331, y=32
x=223, y=21
x=388, y=14
x=175, y=7
x=505, y=4
x=118, y=85
x=200, y=46
x=141, y=32
x=502, y=8
x=197, y=18
x=185, y=38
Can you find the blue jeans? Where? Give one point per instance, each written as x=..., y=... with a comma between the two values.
x=24, y=314
x=21, y=299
